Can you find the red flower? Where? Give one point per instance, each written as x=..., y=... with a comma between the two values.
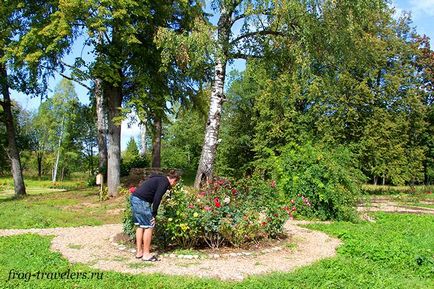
x=132, y=190
x=216, y=202
x=263, y=223
x=234, y=192
x=294, y=209
x=273, y=184
x=292, y=201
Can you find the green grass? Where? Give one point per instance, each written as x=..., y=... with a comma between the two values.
x=34, y=186
x=59, y=209
x=394, y=252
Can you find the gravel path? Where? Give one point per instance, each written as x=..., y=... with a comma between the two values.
x=92, y=246
x=387, y=205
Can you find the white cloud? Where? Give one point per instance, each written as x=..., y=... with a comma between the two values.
x=422, y=6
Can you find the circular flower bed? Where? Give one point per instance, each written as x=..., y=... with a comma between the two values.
x=224, y=213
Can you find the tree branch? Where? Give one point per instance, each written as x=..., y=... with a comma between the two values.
x=254, y=33
x=241, y=55
x=257, y=12
x=79, y=82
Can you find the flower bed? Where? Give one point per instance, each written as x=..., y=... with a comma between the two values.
x=224, y=213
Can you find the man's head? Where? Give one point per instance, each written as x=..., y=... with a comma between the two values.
x=173, y=177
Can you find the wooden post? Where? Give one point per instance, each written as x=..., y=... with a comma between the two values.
x=100, y=181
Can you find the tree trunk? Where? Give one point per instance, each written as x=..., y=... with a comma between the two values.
x=113, y=96
x=39, y=159
x=156, y=144
x=143, y=139
x=209, y=148
x=101, y=116
x=56, y=165
x=375, y=180
x=63, y=174
x=12, y=150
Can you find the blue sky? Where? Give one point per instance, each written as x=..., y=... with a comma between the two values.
x=422, y=12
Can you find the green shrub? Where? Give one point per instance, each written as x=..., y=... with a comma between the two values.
x=324, y=179
x=128, y=225
x=136, y=162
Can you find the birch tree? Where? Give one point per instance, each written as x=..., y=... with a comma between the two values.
x=257, y=18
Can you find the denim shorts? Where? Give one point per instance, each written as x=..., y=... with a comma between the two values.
x=142, y=212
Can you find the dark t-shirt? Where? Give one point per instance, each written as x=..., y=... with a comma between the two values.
x=152, y=191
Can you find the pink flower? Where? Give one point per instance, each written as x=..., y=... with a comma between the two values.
x=191, y=206
x=202, y=194
x=132, y=190
x=292, y=201
x=273, y=184
x=207, y=208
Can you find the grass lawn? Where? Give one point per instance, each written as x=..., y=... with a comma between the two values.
x=45, y=208
x=394, y=252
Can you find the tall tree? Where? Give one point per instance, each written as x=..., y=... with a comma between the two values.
x=258, y=18
x=12, y=151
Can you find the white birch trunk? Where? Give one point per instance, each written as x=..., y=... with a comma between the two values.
x=209, y=149
x=56, y=164
x=143, y=139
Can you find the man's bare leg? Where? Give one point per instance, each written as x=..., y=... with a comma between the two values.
x=147, y=237
x=139, y=241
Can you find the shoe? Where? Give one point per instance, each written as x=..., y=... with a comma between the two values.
x=139, y=257
x=152, y=259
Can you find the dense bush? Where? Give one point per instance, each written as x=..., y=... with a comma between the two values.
x=136, y=162
x=225, y=213
x=326, y=179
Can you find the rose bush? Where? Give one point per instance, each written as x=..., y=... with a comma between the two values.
x=226, y=212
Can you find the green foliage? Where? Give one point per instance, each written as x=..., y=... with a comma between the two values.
x=127, y=222
x=132, y=151
x=235, y=152
x=326, y=178
x=182, y=141
x=137, y=162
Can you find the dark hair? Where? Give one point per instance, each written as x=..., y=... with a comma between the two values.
x=173, y=174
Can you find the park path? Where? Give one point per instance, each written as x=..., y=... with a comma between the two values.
x=385, y=204
x=93, y=246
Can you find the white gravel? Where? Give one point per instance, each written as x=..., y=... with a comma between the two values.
x=92, y=246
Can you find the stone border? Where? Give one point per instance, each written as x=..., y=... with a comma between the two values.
x=124, y=248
